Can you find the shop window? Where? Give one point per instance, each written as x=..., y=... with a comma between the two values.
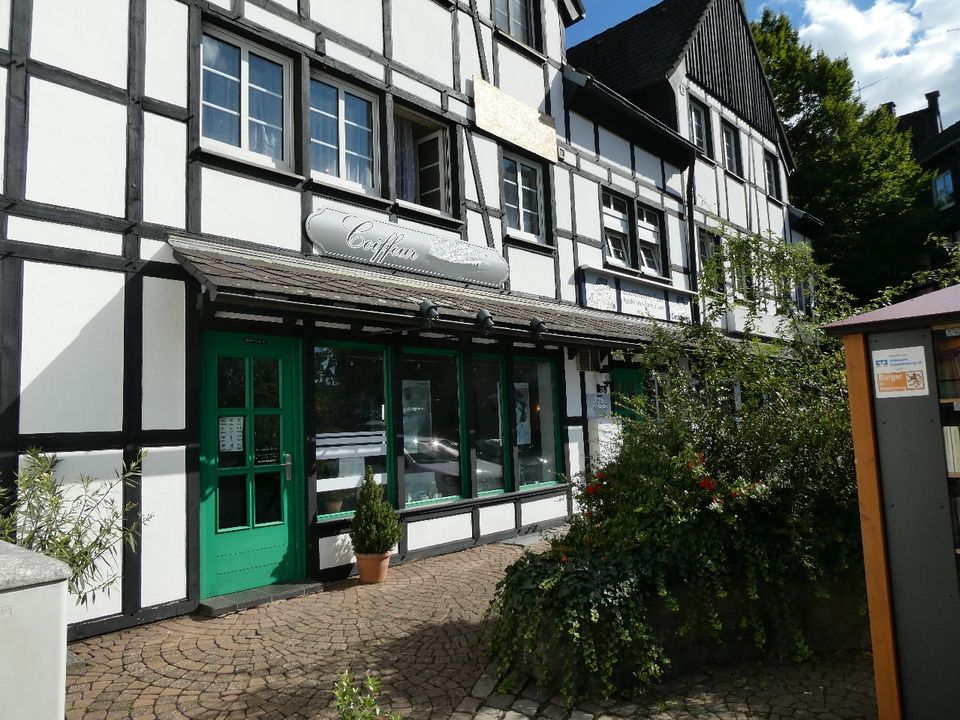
x=700, y=127
x=245, y=106
x=771, y=173
x=943, y=195
x=523, y=197
x=422, y=167
x=343, y=125
x=490, y=423
x=432, y=430
x=732, y=157
x=516, y=18
x=350, y=396
x=536, y=417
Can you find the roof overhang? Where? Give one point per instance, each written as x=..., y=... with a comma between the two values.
x=293, y=283
x=571, y=11
x=591, y=98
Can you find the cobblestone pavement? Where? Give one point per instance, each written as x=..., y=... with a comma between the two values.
x=838, y=688
x=420, y=632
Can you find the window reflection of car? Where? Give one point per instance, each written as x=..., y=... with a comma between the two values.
x=433, y=450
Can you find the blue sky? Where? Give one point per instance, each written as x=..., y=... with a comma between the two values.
x=899, y=49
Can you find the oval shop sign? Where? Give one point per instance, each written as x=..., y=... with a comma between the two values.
x=351, y=236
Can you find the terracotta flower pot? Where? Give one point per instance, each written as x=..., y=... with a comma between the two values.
x=373, y=568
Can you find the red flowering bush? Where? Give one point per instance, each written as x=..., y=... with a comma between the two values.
x=738, y=479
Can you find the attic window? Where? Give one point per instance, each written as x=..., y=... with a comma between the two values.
x=700, y=127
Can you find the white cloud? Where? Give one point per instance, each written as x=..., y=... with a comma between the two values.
x=898, y=50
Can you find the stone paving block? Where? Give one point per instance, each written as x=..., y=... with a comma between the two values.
x=526, y=706
x=581, y=715
x=500, y=701
x=489, y=713
x=469, y=705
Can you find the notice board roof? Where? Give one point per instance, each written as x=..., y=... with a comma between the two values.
x=932, y=308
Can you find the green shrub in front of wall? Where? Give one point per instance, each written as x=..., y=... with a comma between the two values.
x=734, y=483
x=376, y=525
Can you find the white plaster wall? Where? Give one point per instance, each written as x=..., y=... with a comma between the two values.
x=280, y=25
x=42, y=232
x=439, y=531
x=360, y=20
x=248, y=210
x=476, y=234
x=164, y=171
x=778, y=218
x=163, y=545
x=164, y=354
x=553, y=31
x=647, y=166
x=416, y=88
x=568, y=279
x=572, y=386
x=156, y=251
x=677, y=240
x=706, y=187
x=497, y=518
x=674, y=178
x=101, y=466
x=71, y=372
x=166, y=51
x=561, y=191
x=521, y=78
x=587, y=206
x=74, y=36
x=615, y=149
x=469, y=53
x=538, y=511
x=576, y=459
x=4, y=24
x=355, y=60
x=288, y=4
x=423, y=39
x=557, y=105
x=76, y=151
x=335, y=550
x=532, y=273
x=469, y=184
x=589, y=255
x=489, y=163
x=581, y=133
x=736, y=202
x=33, y=625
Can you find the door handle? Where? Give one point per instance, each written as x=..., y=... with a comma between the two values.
x=288, y=466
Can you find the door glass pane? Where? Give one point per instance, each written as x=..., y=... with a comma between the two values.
x=266, y=439
x=231, y=382
x=266, y=383
x=431, y=427
x=536, y=418
x=231, y=501
x=488, y=423
x=267, y=498
x=232, y=441
x=350, y=405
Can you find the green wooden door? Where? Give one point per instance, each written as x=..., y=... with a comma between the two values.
x=251, y=517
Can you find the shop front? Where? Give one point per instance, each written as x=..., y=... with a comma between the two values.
x=468, y=404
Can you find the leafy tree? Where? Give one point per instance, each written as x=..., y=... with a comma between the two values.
x=855, y=170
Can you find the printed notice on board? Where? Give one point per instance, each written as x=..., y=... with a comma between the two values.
x=231, y=434
x=900, y=372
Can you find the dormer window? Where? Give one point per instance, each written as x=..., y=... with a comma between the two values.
x=943, y=194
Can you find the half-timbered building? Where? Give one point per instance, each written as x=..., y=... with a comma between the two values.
x=275, y=242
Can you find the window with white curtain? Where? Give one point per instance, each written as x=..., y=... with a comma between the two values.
x=245, y=105
x=343, y=131
x=422, y=166
x=515, y=17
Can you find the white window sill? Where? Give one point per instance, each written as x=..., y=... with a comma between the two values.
x=423, y=209
x=247, y=156
x=341, y=184
x=639, y=276
x=525, y=237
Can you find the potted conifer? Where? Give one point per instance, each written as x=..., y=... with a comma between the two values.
x=374, y=531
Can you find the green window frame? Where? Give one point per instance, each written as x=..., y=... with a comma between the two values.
x=506, y=441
